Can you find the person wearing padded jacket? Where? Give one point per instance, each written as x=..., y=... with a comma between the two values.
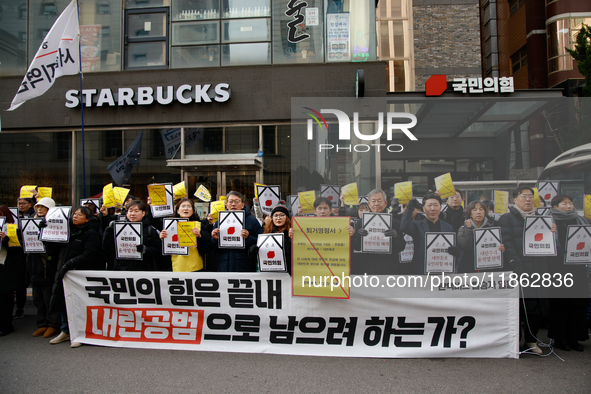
x=150, y=247
x=81, y=252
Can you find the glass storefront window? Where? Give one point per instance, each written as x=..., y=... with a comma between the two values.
x=13, y=41
x=146, y=54
x=129, y=4
x=246, y=54
x=246, y=30
x=245, y=8
x=195, y=9
x=195, y=33
x=199, y=56
x=100, y=35
x=563, y=33
x=241, y=139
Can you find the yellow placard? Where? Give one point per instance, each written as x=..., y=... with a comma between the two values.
x=203, y=194
x=445, y=185
x=222, y=198
x=27, y=191
x=44, y=192
x=185, y=233
x=403, y=192
x=120, y=194
x=11, y=234
x=157, y=194
x=307, y=201
x=536, y=197
x=321, y=257
x=501, y=201
x=350, y=193
x=179, y=190
x=108, y=196
x=256, y=195
x=587, y=206
x=216, y=207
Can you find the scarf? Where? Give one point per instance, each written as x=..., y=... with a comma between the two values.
x=525, y=213
x=568, y=215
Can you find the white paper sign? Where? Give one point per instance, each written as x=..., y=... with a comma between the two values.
x=376, y=224
x=578, y=244
x=548, y=190
x=162, y=211
x=294, y=203
x=409, y=250
x=364, y=199
x=538, y=239
x=170, y=243
x=14, y=212
x=95, y=201
x=128, y=235
x=271, y=252
x=57, y=229
x=269, y=196
x=333, y=193
x=30, y=233
x=543, y=211
x=486, y=248
x=437, y=259
x=231, y=225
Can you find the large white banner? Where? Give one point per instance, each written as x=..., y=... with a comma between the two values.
x=254, y=313
x=59, y=54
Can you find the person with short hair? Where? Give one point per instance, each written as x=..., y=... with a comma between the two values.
x=453, y=212
x=236, y=260
x=418, y=228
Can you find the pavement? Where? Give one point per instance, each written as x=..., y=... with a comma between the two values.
x=31, y=365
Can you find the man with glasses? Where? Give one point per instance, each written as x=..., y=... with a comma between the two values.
x=535, y=304
x=236, y=260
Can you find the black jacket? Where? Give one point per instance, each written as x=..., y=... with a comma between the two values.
x=43, y=266
x=455, y=217
x=150, y=240
x=83, y=250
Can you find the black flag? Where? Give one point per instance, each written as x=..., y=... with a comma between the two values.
x=120, y=169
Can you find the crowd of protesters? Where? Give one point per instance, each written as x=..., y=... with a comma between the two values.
x=91, y=246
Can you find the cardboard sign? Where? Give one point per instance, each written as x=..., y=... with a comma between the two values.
x=185, y=232
x=44, y=192
x=445, y=185
x=216, y=207
x=363, y=199
x=30, y=233
x=256, y=193
x=548, y=190
x=27, y=191
x=538, y=239
x=350, y=194
x=11, y=233
x=128, y=235
x=120, y=194
x=587, y=206
x=578, y=244
x=437, y=259
x=157, y=194
x=179, y=190
x=231, y=225
x=167, y=209
x=269, y=197
x=57, y=229
x=203, y=194
x=294, y=203
x=94, y=201
x=486, y=248
x=271, y=254
x=376, y=224
x=501, y=198
x=170, y=243
x=333, y=193
x=536, y=197
x=403, y=192
x=307, y=201
x=108, y=196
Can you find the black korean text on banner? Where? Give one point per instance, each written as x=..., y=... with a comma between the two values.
x=31, y=232
x=294, y=203
x=231, y=225
x=578, y=244
x=178, y=310
x=486, y=248
x=162, y=211
x=269, y=196
x=128, y=235
x=548, y=190
x=332, y=192
x=538, y=238
x=57, y=229
x=375, y=241
x=437, y=259
x=94, y=201
x=170, y=243
x=271, y=252
x=409, y=250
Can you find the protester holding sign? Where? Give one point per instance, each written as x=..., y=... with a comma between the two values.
x=535, y=304
x=25, y=210
x=453, y=212
x=475, y=218
x=281, y=223
x=149, y=248
x=195, y=260
x=236, y=260
x=81, y=252
x=418, y=229
x=11, y=263
x=42, y=267
x=107, y=217
x=567, y=322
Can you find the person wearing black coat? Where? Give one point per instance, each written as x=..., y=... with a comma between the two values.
x=151, y=246
x=453, y=212
x=418, y=228
x=534, y=305
x=25, y=210
x=280, y=223
x=81, y=252
x=12, y=262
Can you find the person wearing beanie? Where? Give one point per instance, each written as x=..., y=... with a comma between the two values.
x=42, y=267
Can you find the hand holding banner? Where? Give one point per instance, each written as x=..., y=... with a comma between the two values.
x=350, y=193
x=445, y=185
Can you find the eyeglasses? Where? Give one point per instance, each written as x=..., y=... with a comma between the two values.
x=233, y=202
x=279, y=216
x=526, y=196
